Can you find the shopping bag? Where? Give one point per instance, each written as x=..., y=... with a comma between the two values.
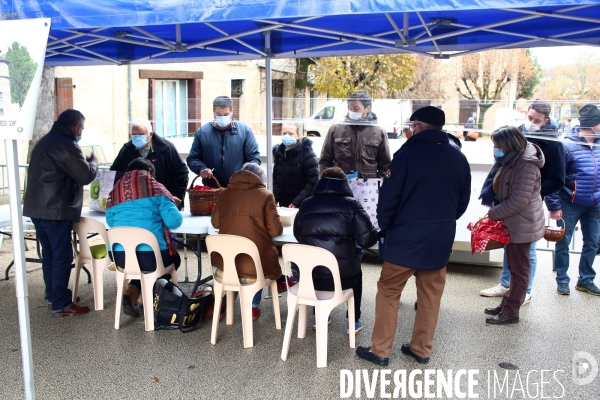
x=100, y=188
x=175, y=310
x=367, y=193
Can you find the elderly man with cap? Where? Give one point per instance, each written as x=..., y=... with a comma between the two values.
x=426, y=189
x=357, y=145
x=579, y=201
x=171, y=171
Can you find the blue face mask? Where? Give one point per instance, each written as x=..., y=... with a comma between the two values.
x=288, y=140
x=139, y=140
x=78, y=138
x=498, y=153
x=223, y=121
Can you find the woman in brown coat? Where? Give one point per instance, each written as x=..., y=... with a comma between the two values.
x=246, y=208
x=512, y=190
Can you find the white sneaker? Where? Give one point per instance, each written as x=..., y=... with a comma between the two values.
x=496, y=291
x=527, y=299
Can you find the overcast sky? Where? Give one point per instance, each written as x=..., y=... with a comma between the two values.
x=550, y=57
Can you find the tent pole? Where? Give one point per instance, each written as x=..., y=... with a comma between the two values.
x=269, y=85
x=14, y=185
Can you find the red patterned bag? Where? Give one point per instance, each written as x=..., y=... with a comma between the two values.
x=487, y=235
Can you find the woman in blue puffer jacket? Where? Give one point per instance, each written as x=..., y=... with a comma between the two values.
x=138, y=200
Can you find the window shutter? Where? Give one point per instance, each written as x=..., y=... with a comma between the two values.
x=235, y=98
x=194, y=103
x=151, y=97
x=64, y=95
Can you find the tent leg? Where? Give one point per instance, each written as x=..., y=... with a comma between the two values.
x=16, y=212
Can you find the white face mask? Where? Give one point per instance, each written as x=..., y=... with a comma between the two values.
x=223, y=121
x=354, y=115
x=530, y=127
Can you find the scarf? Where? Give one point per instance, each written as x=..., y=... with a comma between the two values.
x=487, y=196
x=139, y=184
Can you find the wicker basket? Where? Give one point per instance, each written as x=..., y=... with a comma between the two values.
x=491, y=244
x=202, y=202
x=554, y=233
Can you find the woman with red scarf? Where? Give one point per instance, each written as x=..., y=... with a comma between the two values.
x=138, y=200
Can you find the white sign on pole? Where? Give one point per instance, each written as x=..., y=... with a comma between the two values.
x=22, y=53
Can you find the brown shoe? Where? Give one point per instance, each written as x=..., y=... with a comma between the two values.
x=72, y=311
x=493, y=311
x=502, y=319
x=129, y=301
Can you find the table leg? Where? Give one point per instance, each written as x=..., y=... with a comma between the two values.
x=199, y=280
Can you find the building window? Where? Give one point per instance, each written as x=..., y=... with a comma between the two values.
x=1, y=98
x=237, y=89
x=237, y=86
x=1, y=112
x=170, y=108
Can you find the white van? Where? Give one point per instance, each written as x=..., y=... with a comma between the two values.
x=390, y=115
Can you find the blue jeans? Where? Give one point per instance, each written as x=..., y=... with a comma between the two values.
x=589, y=218
x=57, y=257
x=505, y=277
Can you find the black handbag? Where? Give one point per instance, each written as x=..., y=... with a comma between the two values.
x=175, y=310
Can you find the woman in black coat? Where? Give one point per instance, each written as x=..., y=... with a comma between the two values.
x=295, y=169
x=334, y=220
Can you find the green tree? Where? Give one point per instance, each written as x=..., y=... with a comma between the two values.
x=21, y=71
x=529, y=79
x=381, y=75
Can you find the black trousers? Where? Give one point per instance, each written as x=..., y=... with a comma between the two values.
x=147, y=262
x=353, y=282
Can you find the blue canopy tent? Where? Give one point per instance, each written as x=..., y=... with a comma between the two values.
x=156, y=31
x=153, y=31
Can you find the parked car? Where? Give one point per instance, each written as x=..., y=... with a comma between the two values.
x=390, y=114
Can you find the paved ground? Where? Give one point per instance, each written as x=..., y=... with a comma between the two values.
x=85, y=357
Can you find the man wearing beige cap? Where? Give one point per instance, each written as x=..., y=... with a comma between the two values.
x=425, y=190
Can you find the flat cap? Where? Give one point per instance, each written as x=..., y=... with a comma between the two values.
x=430, y=115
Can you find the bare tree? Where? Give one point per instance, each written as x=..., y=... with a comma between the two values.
x=485, y=75
x=578, y=80
x=427, y=81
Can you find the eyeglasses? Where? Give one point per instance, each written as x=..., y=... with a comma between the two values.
x=414, y=126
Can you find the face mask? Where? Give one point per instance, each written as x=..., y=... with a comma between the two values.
x=354, y=115
x=597, y=133
x=288, y=140
x=498, y=153
x=529, y=127
x=223, y=121
x=139, y=140
x=78, y=138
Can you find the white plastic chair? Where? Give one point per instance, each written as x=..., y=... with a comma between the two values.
x=229, y=246
x=130, y=238
x=96, y=255
x=303, y=295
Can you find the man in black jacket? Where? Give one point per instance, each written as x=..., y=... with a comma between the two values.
x=426, y=189
x=539, y=130
x=171, y=171
x=56, y=175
